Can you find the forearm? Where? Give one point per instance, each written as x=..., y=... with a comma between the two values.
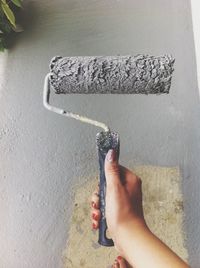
x=143, y=249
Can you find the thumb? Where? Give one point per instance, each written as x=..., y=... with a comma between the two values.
x=112, y=170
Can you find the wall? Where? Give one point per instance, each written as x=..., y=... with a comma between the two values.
x=44, y=155
x=195, y=8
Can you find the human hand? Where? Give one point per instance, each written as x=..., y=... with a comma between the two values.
x=123, y=199
x=126, y=224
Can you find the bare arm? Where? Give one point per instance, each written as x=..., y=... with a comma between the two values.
x=142, y=249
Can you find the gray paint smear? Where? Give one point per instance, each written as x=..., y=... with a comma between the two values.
x=43, y=155
x=141, y=74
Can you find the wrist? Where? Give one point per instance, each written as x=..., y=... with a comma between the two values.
x=132, y=226
x=130, y=230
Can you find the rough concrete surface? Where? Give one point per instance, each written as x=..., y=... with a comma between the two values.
x=44, y=155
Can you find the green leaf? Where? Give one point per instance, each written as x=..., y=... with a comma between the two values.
x=9, y=14
x=5, y=27
x=17, y=3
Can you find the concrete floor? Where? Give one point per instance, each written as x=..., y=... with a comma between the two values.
x=44, y=155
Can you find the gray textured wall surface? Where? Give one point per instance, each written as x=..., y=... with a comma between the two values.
x=43, y=155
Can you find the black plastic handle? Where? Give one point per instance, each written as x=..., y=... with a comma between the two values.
x=105, y=141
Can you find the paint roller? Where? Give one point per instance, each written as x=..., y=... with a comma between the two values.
x=141, y=74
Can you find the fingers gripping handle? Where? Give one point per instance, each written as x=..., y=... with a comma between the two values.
x=105, y=141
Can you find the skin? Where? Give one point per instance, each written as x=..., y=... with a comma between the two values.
x=137, y=245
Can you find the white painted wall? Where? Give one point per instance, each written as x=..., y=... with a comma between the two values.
x=195, y=7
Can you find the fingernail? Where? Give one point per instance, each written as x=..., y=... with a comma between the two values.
x=94, y=226
x=93, y=204
x=119, y=258
x=94, y=216
x=115, y=265
x=110, y=157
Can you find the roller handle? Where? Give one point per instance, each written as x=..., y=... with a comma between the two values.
x=103, y=240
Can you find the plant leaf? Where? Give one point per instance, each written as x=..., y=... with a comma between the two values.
x=9, y=14
x=5, y=25
x=17, y=3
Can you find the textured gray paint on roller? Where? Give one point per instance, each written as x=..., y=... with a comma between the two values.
x=141, y=74
x=106, y=140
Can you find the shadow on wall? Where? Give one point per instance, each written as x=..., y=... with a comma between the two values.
x=27, y=18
